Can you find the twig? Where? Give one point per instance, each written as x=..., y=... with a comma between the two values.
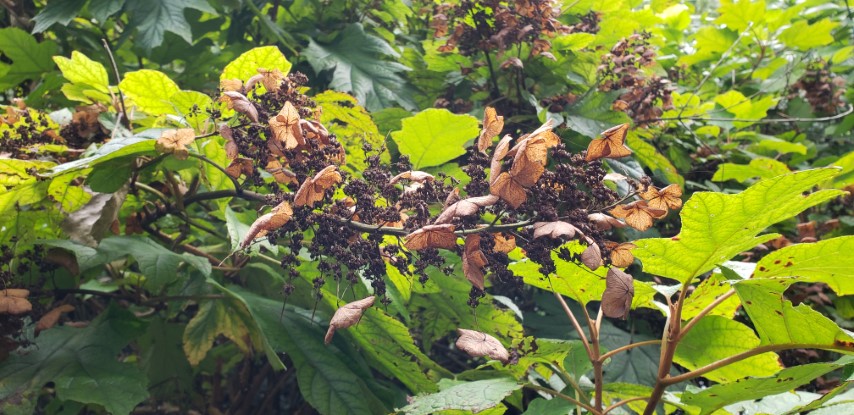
x=628, y=347
x=574, y=323
x=763, y=120
x=623, y=402
x=125, y=120
x=570, y=399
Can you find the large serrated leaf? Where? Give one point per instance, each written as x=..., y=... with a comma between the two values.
x=470, y=396
x=435, y=136
x=30, y=59
x=153, y=18
x=716, y=226
x=79, y=69
x=248, y=63
x=150, y=91
x=829, y=261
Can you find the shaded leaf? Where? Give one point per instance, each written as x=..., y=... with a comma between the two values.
x=470, y=396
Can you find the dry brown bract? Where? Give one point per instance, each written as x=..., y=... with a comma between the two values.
x=504, y=243
x=233, y=85
x=240, y=166
x=555, y=229
x=497, y=157
x=668, y=198
x=529, y=162
x=492, y=126
x=605, y=222
x=638, y=214
x=621, y=254
x=313, y=189
x=473, y=261
x=618, y=295
x=278, y=217
x=271, y=79
x=52, y=317
x=348, y=315
x=465, y=207
x=432, y=236
x=14, y=301
x=413, y=175
x=509, y=190
x=238, y=102
x=279, y=172
x=611, y=145
x=287, y=133
x=477, y=344
x=175, y=142
x=592, y=255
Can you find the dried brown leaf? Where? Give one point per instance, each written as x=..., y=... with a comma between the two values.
x=618, y=295
x=313, y=189
x=669, y=197
x=509, y=190
x=279, y=172
x=611, y=145
x=285, y=127
x=621, y=253
x=52, y=317
x=492, y=126
x=473, y=261
x=605, y=222
x=638, y=214
x=432, y=236
x=453, y=197
x=592, y=256
x=231, y=85
x=413, y=175
x=240, y=166
x=465, y=207
x=478, y=344
x=348, y=315
x=14, y=301
x=278, y=217
x=498, y=156
x=504, y=243
x=238, y=102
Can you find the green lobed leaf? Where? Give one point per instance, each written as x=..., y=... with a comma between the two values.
x=81, y=364
x=829, y=261
x=714, y=338
x=352, y=125
x=356, y=59
x=101, y=10
x=592, y=115
x=153, y=18
x=248, y=63
x=30, y=59
x=164, y=363
x=760, y=167
x=435, y=136
x=739, y=15
x=804, y=36
x=192, y=107
x=471, y=396
x=79, y=69
x=616, y=391
x=549, y=352
x=709, y=290
x=62, y=12
x=717, y=226
x=778, y=322
x=718, y=396
x=149, y=91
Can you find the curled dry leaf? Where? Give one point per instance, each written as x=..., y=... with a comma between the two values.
x=313, y=189
x=592, y=256
x=52, y=317
x=509, y=190
x=621, y=254
x=432, y=236
x=465, y=207
x=504, y=243
x=614, y=177
x=453, y=197
x=492, y=126
x=605, y=222
x=413, y=175
x=497, y=157
x=348, y=315
x=618, y=295
x=555, y=229
x=512, y=62
x=314, y=130
x=238, y=102
x=478, y=344
x=638, y=214
x=240, y=166
x=669, y=197
x=175, y=142
x=286, y=129
x=278, y=217
x=14, y=301
x=473, y=261
x=611, y=145
x=279, y=172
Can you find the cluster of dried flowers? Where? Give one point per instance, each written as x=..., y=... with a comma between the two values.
x=527, y=191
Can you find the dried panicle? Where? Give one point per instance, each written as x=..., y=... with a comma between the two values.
x=432, y=236
x=473, y=261
x=348, y=315
x=175, y=142
x=413, y=175
x=621, y=253
x=492, y=126
x=611, y=145
x=52, y=317
x=14, y=301
x=638, y=214
x=465, y=207
x=555, y=229
x=238, y=102
x=669, y=197
x=285, y=127
x=478, y=344
x=240, y=166
x=313, y=189
x=618, y=295
x=278, y=217
x=605, y=222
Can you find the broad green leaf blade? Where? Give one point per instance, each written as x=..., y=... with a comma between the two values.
x=324, y=376
x=716, y=226
x=101, y=10
x=157, y=264
x=593, y=114
x=150, y=91
x=708, y=291
x=356, y=59
x=714, y=338
x=82, y=365
x=829, y=261
x=470, y=396
x=761, y=167
x=548, y=352
x=718, y=396
x=615, y=391
x=247, y=64
x=435, y=136
x=130, y=147
x=214, y=318
x=30, y=59
x=79, y=69
x=352, y=125
x=778, y=322
x=804, y=36
x=153, y=18
x=739, y=15
x=165, y=365
x=192, y=107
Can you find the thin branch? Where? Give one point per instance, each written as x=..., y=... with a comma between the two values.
x=623, y=402
x=567, y=398
x=705, y=311
x=574, y=323
x=628, y=347
x=125, y=120
x=763, y=120
x=218, y=167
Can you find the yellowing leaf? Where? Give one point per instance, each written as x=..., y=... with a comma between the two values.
x=247, y=64
x=82, y=70
x=150, y=91
x=435, y=136
x=804, y=36
x=739, y=15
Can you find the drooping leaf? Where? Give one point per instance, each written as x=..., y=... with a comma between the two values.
x=716, y=226
x=153, y=18
x=82, y=365
x=435, y=136
x=470, y=396
x=356, y=59
x=62, y=12
x=829, y=261
x=30, y=59
x=718, y=396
